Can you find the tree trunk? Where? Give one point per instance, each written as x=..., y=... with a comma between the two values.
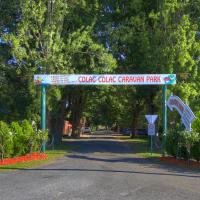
x=150, y=107
x=77, y=110
x=75, y=117
x=134, y=126
x=57, y=123
x=136, y=112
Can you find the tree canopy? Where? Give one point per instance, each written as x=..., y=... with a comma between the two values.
x=84, y=36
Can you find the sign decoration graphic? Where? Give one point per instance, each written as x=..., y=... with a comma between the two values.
x=105, y=79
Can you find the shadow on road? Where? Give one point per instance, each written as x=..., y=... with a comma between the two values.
x=101, y=146
x=147, y=162
x=115, y=151
x=121, y=151
x=107, y=171
x=111, y=160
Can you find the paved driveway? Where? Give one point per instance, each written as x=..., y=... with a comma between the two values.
x=101, y=169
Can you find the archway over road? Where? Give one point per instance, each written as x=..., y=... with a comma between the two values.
x=45, y=80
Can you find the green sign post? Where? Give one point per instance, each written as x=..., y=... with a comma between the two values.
x=43, y=113
x=164, y=121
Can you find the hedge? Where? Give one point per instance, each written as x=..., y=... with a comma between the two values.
x=17, y=139
x=184, y=145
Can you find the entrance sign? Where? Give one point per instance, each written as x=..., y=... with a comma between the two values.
x=187, y=116
x=151, y=118
x=105, y=79
x=44, y=80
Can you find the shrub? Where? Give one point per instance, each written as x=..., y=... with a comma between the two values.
x=196, y=123
x=195, y=151
x=183, y=144
x=29, y=136
x=172, y=143
x=19, y=139
x=42, y=136
x=6, y=140
x=189, y=139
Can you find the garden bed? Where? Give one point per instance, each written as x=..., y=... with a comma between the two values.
x=180, y=162
x=26, y=158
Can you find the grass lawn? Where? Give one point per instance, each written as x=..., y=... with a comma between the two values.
x=141, y=147
x=58, y=152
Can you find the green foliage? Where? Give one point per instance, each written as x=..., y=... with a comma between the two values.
x=90, y=36
x=172, y=144
x=196, y=122
x=19, y=139
x=6, y=140
x=195, y=151
x=42, y=136
x=183, y=144
x=189, y=139
x=30, y=136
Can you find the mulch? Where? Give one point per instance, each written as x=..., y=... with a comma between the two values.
x=25, y=158
x=180, y=162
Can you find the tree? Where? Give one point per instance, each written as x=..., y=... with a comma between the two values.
x=49, y=36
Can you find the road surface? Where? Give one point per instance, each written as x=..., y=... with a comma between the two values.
x=101, y=169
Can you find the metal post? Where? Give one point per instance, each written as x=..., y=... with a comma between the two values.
x=151, y=144
x=43, y=113
x=164, y=118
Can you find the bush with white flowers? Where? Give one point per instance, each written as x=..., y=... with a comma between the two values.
x=20, y=138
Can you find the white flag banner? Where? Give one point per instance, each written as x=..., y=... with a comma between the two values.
x=187, y=116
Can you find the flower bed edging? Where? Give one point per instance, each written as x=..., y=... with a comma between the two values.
x=20, y=159
x=180, y=162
